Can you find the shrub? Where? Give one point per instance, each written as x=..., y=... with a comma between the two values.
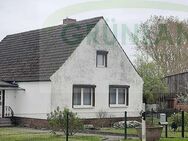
x=176, y=120
x=101, y=118
x=58, y=121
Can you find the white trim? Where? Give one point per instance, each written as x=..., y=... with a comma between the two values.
x=82, y=100
x=100, y=66
x=83, y=107
x=103, y=61
x=118, y=106
x=117, y=96
x=117, y=100
x=82, y=97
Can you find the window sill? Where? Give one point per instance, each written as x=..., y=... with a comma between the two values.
x=83, y=107
x=101, y=67
x=118, y=106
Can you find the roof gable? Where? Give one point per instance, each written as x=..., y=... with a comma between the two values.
x=37, y=54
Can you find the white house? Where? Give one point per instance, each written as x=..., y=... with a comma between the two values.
x=79, y=65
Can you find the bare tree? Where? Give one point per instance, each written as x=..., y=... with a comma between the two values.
x=101, y=115
x=165, y=40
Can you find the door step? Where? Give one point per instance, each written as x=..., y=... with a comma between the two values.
x=5, y=122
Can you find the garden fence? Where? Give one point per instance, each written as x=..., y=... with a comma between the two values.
x=176, y=125
x=123, y=125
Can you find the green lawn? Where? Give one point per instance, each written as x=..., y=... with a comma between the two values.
x=131, y=131
x=37, y=137
x=175, y=139
x=176, y=134
x=172, y=136
x=21, y=134
x=170, y=139
x=24, y=134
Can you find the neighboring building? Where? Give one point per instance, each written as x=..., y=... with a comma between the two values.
x=178, y=91
x=79, y=65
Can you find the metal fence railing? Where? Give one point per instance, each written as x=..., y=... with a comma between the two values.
x=174, y=125
x=124, y=127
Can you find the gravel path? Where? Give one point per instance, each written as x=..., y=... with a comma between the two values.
x=112, y=138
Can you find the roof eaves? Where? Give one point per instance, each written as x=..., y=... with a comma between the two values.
x=175, y=74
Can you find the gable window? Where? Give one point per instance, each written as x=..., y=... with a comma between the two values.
x=118, y=95
x=101, y=58
x=83, y=96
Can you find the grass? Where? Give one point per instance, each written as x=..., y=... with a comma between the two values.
x=21, y=134
x=176, y=134
x=173, y=136
x=131, y=131
x=174, y=139
x=170, y=139
x=34, y=137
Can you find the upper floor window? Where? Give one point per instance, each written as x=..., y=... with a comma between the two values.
x=118, y=95
x=83, y=96
x=101, y=58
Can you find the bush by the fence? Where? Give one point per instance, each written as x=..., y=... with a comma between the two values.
x=58, y=120
x=176, y=120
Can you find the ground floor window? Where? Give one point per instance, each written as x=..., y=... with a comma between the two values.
x=118, y=95
x=83, y=96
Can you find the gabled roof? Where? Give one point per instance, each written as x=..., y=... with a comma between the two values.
x=176, y=74
x=36, y=55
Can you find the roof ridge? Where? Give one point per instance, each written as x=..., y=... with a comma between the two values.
x=39, y=29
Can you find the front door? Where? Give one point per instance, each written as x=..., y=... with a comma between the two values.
x=1, y=103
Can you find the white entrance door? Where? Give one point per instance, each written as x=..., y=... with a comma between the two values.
x=1, y=103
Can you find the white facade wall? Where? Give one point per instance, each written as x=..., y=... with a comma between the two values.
x=39, y=98
x=34, y=102
x=81, y=68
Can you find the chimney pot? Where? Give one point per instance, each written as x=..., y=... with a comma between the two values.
x=69, y=21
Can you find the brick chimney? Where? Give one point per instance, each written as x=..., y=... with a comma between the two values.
x=69, y=21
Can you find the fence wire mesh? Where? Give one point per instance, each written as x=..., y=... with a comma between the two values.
x=103, y=124
x=176, y=125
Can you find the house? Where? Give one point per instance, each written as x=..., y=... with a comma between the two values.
x=178, y=91
x=79, y=65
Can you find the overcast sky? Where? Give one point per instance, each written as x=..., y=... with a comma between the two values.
x=24, y=15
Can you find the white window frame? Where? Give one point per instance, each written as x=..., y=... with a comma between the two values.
x=104, y=56
x=117, y=96
x=82, y=98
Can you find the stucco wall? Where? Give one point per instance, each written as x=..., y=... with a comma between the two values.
x=34, y=102
x=81, y=68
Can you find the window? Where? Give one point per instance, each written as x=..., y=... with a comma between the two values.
x=101, y=58
x=77, y=96
x=118, y=95
x=83, y=96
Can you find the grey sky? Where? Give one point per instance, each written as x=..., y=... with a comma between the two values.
x=24, y=15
